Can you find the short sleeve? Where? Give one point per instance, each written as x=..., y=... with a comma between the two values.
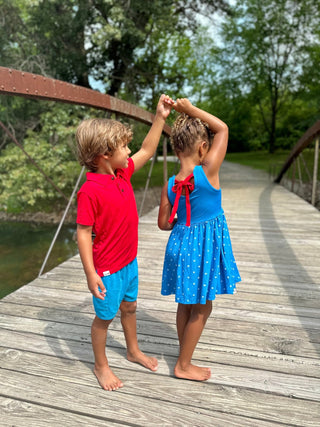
x=86, y=211
x=130, y=169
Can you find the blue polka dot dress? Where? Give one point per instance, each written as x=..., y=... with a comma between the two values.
x=199, y=262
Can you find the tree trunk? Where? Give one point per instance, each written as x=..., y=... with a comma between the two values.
x=272, y=138
x=274, y=102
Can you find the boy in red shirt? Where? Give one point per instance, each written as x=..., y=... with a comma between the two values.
x=107, y=207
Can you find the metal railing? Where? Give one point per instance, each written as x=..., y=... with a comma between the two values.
x=29, y=85
x=300, y=171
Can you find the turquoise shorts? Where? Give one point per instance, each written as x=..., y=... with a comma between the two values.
x=120, y=286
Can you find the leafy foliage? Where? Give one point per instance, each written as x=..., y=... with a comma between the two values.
x=22, y=186
x=107, y=40
x=266, y=46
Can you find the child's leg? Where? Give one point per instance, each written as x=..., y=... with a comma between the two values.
x=182, y=318
x=192, y=331
x=105, y=376
x=129, y=324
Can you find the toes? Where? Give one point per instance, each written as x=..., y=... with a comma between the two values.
x=112, y=387
x=152, y=364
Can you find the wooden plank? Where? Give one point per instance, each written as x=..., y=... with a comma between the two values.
x=15, y=412
x=79, y=301
x=162, y=404
x=145, y=264
x=279, y=343
x=83, y=304
x=303, y=304
x=83, y=400
x=216, y=326
x=169, y=348
x=308, y=294
x=19, y=413
x=148, y=258
x=164, y=345
x=233, y=376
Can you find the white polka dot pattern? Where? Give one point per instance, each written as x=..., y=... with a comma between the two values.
x=199, y=262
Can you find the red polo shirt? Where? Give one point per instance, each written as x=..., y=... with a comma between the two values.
x=107, y=203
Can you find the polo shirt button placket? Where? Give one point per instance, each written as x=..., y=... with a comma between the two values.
x=119, y=187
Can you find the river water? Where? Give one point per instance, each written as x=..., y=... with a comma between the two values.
x=23, y=247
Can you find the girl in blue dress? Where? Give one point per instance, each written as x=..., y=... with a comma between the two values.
x=199, y=262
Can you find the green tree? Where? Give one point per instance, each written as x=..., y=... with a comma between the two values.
x=106, y=39
x=265, y=46
x=309, y=89
x=17, y=50
x=167, y=64
x=22, y=186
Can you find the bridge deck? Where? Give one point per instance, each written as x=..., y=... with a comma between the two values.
x=263, y=344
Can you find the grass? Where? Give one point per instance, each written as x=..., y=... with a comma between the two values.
x=259, y=159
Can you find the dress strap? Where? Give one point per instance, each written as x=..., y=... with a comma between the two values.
x=177, y=188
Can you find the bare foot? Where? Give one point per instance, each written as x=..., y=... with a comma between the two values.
x=192, y=372
x=107, y=379
x=146, y=361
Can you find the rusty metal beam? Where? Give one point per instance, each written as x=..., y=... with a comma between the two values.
x=20, y=83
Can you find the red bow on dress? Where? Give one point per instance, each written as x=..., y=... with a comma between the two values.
x=177, y=188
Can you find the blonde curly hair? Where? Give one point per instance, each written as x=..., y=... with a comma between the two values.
x=187, y=131
x=99, y=136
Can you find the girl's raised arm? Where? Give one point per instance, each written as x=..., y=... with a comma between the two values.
x=215, y=156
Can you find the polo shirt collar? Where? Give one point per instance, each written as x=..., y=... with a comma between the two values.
x=103, y=179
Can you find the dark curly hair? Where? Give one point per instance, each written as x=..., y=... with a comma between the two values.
x=187, y=131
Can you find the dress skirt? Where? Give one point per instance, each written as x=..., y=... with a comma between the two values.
x=199, y=262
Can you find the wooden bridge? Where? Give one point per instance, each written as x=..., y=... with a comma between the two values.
x=262, y=344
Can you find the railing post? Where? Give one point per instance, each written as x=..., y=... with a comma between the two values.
x=299, y=171
x=147, y=183
x=61, y=222
x=293, y=175
x=315, y=172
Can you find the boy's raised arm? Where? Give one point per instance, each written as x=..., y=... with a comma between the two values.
x=151, y=141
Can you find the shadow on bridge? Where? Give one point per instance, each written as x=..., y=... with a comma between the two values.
x=287, y=265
